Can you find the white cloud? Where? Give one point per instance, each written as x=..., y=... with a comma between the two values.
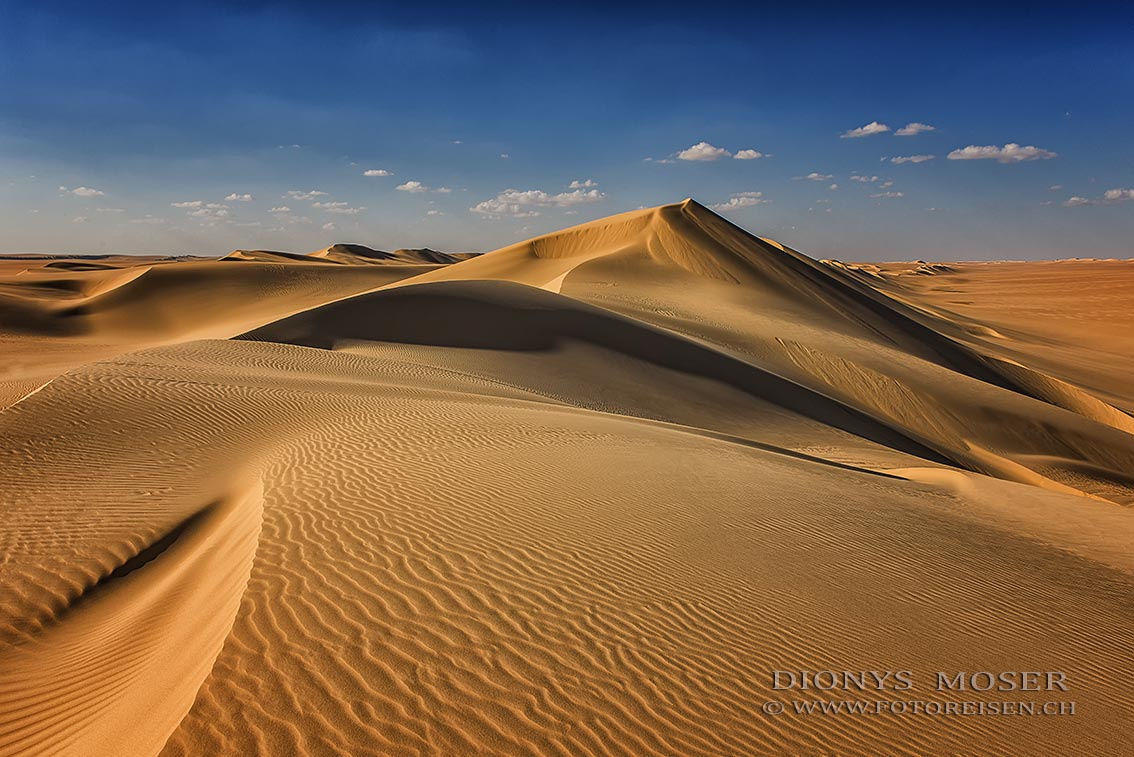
x=740, y=200
x=576, y=197
x=864, y=179
x=80, y=219
x=1009, y=153
x=1109, y=197
x=234, y=197
x=504, y=156
x=328, y=226
x=886, y=184
x=376, y=172
x=913, y=128
x=83, y=191
x=703, y=151
x=1055, y=187
x=280, y=209
x=585, y=184
x=342, y=208
x=311, y=194
x=412, y=186
x=887, y=195
x=833, y=186
x=816, y=176
x=212, y=211
x=748, y=154
x=443, y=190
x=865, y=131
x=900, y=159
x=434, y=212
x=110, y=210
x=150, y=220
x=525, y=203
x=1118, y=195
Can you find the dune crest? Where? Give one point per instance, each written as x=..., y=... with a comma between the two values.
x=579, y=495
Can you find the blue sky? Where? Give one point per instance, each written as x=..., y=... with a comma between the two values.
x=190, y=127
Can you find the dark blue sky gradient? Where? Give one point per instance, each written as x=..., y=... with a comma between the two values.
x=155, y=103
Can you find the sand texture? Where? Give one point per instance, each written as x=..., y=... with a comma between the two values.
x=577, y=496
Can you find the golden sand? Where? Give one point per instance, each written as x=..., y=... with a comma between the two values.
x=581, y=495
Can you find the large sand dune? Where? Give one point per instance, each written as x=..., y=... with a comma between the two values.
x=581, y=495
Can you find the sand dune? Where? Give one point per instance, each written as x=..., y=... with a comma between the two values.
x=350, y=254
x=580, y=495
x=53, y=320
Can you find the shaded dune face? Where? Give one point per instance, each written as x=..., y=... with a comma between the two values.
x=506, y=316
x=580, y=495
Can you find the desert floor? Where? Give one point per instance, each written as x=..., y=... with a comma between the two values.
x=578, y=496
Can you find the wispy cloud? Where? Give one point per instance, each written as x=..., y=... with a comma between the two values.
x=913, y=128
x=310, y=194
x=517, y=203
x=110, y=210
x=900, y=159
x=413, y=187
x=377, y=172
x=584, y=184
x=340, y=207
x=211, y=212
x=865, y=131
x=816, y=176
x=1009, y=153
x=740, y=200
x=887, y=195
x=204, y=211
x=235, y=197
x=280, y=209
x=864, y=179
x=328, y=226
x=83, y=191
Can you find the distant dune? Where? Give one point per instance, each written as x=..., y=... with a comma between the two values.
x=349, y=254
x=580, y=495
